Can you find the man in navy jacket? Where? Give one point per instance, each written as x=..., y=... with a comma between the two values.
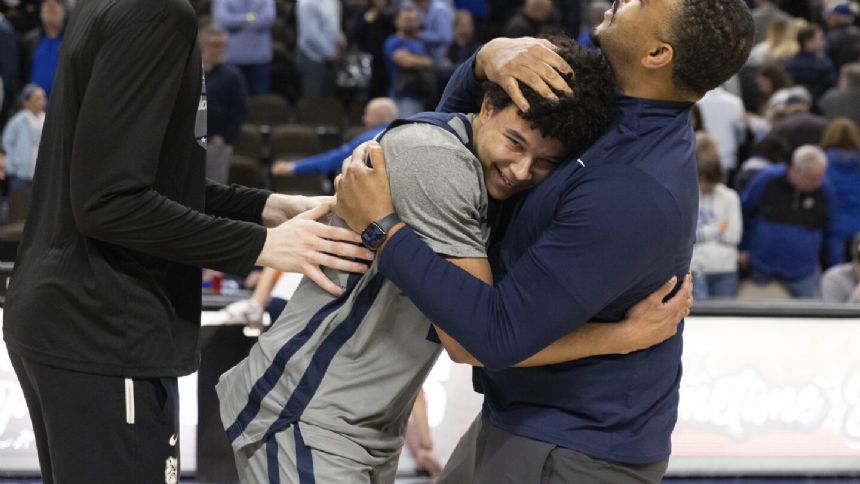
x=603, y=231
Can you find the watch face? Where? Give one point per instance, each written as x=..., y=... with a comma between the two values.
x=373, y=236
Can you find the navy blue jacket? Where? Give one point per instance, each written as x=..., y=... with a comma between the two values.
x=785, y=231
x=597, y=236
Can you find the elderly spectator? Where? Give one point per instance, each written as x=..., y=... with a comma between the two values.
x=41, y=47
x=321, y=44
x=789, y=220
x=437, y=29
x=410, y=67
x=378, y=114
x=764, y=13
x=249, y=39
x=22, y=136
x=718, y=231
x=844, y=99
x=841, y=142
x=843, y=37
x=810, y=67
x=226, y=101
x=841, y=283
x=534, y=19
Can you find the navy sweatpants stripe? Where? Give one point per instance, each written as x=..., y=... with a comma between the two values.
x=322, y=358
x=270, y=378
x=304, y=459
x=272, y=460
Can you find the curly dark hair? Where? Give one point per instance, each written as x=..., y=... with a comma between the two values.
x=576, y=120
x=712, y=40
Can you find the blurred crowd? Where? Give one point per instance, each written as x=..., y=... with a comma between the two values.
x=292, y=86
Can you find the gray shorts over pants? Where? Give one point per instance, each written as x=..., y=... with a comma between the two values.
x=487, y=454
x=285, y=459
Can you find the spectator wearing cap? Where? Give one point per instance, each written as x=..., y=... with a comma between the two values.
x=249, y=39
x=790, y=223
x=22, y=136
x=841, y=142
x=41, y=46
x=843, y=37
x=810, y=67
x=841, y=283
x=788, y=111
x=844, y=99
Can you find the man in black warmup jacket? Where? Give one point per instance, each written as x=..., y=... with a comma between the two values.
x=103, y=310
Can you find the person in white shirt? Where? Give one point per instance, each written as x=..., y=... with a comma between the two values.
x=723, y=118
x=21, y=138
x=718, y=232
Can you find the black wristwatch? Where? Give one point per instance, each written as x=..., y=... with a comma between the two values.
x=376, y=233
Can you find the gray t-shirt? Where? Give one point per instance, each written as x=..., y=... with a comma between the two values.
x=839, y=284
x=347, y=369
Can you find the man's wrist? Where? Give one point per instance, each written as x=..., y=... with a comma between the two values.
x=393, y=230
x=478, y=68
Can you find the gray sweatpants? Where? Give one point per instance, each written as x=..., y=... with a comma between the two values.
x=285, y=459
x=487, y=454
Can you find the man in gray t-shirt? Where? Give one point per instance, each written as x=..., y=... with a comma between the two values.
x=325, y=394
x=841, y=283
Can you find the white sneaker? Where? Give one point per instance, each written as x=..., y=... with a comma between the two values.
x=244, y=311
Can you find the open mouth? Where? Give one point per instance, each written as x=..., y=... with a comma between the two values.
x=505, y=181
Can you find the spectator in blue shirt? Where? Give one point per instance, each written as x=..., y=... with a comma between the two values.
x=789, y=221
x=841, y=142
x=410, y=68
x=610, y=225
x=42, y=45
x=249, y=39
x=377, y=114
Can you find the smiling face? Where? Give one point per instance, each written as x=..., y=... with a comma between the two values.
x=514, y=156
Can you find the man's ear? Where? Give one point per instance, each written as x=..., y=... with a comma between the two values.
x=658, y=57
x=486, y=108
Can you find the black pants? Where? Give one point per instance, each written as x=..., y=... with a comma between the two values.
x=88, y=431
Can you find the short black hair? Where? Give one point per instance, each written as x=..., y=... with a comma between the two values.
x=578, y=120
x=711, y=41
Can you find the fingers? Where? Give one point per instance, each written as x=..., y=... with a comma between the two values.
x=338, y=264
x=512, y=88
x=317, y=212
x=315, y=274
x=377, y=157
x=342, y=249
x=664, y=290
x=555, y=61
x=339, y=234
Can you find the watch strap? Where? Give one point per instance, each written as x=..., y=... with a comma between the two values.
x=390, y=220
